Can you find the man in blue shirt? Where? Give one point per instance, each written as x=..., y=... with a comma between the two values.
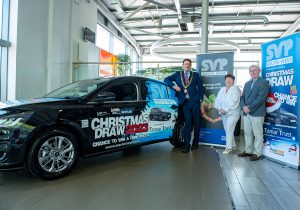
x=189, y=87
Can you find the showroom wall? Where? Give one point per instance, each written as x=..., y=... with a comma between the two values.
x=49, y=34
x=49, y=38
x=43, y=47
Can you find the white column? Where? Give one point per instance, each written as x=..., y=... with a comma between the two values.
x=204, y=28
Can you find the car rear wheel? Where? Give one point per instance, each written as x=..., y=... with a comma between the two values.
x=177, y=139
x=53, y=155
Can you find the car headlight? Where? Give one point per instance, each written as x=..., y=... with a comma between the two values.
x=14, y=120
x=11, y=123
x=4, y=134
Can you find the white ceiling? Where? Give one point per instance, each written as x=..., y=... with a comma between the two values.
x=246, y=26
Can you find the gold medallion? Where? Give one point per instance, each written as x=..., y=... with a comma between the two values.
x=188, y=84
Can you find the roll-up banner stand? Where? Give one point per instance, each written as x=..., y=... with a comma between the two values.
x=281, y=67
x=212, y=68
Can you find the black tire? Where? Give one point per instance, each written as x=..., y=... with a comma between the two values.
x=177, y=139
x=58, y=149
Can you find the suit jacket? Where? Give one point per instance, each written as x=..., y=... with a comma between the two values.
x=195, y=89
x=255, y=98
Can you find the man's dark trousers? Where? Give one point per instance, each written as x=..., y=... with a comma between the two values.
x=191, y=110
x=191, y=107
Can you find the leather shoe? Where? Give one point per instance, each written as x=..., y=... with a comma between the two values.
x=195, y=146
x=254, y=157
x=244, y=154
x=185, y=149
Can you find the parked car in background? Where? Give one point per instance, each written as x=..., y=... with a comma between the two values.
x=85, y=118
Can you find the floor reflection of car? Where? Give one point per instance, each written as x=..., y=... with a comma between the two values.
x=159, y=114
x=85, y=118
x=282, y=117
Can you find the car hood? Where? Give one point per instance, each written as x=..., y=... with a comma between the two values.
x=31, y=104
x=14, y=103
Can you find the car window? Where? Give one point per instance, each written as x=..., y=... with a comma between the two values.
x=76, y=90
x=124, y=91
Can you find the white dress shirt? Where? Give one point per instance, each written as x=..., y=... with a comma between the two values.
x=229, y=101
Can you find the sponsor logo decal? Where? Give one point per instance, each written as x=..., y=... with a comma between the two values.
x=84, y=123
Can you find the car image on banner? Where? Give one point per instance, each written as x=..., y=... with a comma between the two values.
x=85, y=118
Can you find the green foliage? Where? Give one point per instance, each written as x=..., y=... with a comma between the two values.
x=123, y=68
x=212, y=98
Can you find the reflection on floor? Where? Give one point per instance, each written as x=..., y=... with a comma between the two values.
x=154, y=177
x=260, y=184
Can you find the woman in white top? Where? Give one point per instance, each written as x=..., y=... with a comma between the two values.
x=227, y=102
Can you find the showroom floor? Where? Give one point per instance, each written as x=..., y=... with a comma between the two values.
x=260, y=184
x=159, y=177
x=154, y=177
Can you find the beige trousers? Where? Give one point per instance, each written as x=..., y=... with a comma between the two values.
x=253, y=128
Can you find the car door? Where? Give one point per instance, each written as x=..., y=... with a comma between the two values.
x=118, y=121
x=162, y=108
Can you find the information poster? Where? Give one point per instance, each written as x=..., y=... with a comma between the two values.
x=281, y=67
x=213, y=68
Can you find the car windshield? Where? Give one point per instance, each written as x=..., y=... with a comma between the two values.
x=77, y=89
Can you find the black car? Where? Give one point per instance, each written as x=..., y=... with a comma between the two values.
x=85, y=118
x=282, y=117
x=159, y=114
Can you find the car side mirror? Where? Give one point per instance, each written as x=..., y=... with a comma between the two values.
x=105, y=96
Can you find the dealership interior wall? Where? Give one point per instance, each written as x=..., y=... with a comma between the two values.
x=45, y=37
x=45, y=43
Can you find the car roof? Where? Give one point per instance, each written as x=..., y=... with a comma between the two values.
x=122, y=78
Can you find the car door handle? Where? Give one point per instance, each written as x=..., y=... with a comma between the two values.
x=174, y=107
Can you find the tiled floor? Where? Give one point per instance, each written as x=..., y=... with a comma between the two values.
x=154, y=177
x=261, y=184
x=159, y=177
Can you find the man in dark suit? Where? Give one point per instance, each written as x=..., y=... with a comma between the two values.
x=189, y=87
x=253, y=104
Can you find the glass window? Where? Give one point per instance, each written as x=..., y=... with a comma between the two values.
x=76, y=89
x=134, y=59
x=1, y=4
x=242, y=76
x=102, y=38
x=118, y=46
x=4, y=21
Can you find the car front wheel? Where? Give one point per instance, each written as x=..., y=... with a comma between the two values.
x=53, y=155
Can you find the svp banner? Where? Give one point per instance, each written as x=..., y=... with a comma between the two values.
x=281, y=67
x=213, y=68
